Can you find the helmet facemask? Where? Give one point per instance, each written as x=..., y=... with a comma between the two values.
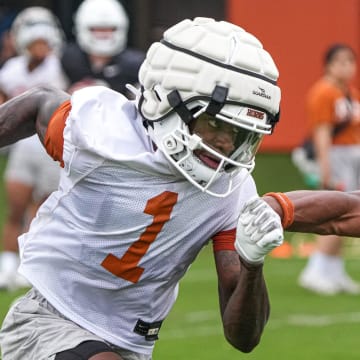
x=200, y=162
x=184, y=81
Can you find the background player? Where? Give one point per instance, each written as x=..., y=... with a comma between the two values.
x=100, y=50
x=30, y=175
x=334, y=118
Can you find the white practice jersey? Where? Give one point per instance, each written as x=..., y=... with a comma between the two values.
x=15, y=77
x=110, y=246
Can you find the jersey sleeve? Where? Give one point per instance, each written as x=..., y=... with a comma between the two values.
x=54, y=137
x=224, y=240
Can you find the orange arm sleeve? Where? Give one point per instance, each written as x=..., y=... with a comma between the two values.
x=224, y=240
x=54, y=137
x=287, y=207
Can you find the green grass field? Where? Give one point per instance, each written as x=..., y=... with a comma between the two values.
x=302, y=325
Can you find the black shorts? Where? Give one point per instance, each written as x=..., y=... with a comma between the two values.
x=84, y=351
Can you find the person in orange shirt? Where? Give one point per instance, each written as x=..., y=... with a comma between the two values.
x=333, y=110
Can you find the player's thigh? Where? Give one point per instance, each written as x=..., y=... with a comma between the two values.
x=20, y=166
x=345, y=166
x=89, y=350
x=106, y=356
x=99, y=350
x=34, y=329
x=18, y=196
x=19, y=180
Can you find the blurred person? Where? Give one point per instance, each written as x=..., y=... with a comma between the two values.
x=100, y=50
x=30, y=175
x=334, y=116
x=7, y=47
x=145, y=185
x=7, y=50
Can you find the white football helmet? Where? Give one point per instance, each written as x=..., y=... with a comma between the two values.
x=35, y=23
x=203, y=65
x=97, y=14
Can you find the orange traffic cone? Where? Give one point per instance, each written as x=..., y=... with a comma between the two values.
x=284, y=251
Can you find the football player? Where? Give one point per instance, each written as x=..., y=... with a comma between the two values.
x=30, y=175
x=144, y=186
x=100, y=50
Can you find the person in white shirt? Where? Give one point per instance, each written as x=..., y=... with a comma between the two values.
x=145, y=185
x=30, y=175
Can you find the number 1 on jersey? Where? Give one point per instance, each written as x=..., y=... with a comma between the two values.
x=126, y=267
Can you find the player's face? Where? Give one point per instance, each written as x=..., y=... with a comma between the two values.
x=103, y=33
x=39, y=49
x=343, y=65
x=217, y=134
x=227, y=140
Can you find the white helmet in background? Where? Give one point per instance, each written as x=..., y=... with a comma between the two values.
x=34, y=23
x=214, y=67
x=101, y=14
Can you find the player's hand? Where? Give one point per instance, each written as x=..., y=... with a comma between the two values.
x=259, y=230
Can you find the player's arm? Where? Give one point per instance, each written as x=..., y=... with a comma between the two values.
x=244, y=302
x=29, y=113
x=239, y=261
x=323, y=212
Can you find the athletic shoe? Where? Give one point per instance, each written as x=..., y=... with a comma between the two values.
x=348, y=285
x=318, y=283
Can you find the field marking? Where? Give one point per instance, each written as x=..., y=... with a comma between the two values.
x=318, y=320
x=195, y=327
x=205, y=315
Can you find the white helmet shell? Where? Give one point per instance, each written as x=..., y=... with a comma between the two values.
x=36, y=23
x=97, y=14
x=196, y=62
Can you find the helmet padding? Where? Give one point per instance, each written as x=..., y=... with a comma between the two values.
x=197, y=55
